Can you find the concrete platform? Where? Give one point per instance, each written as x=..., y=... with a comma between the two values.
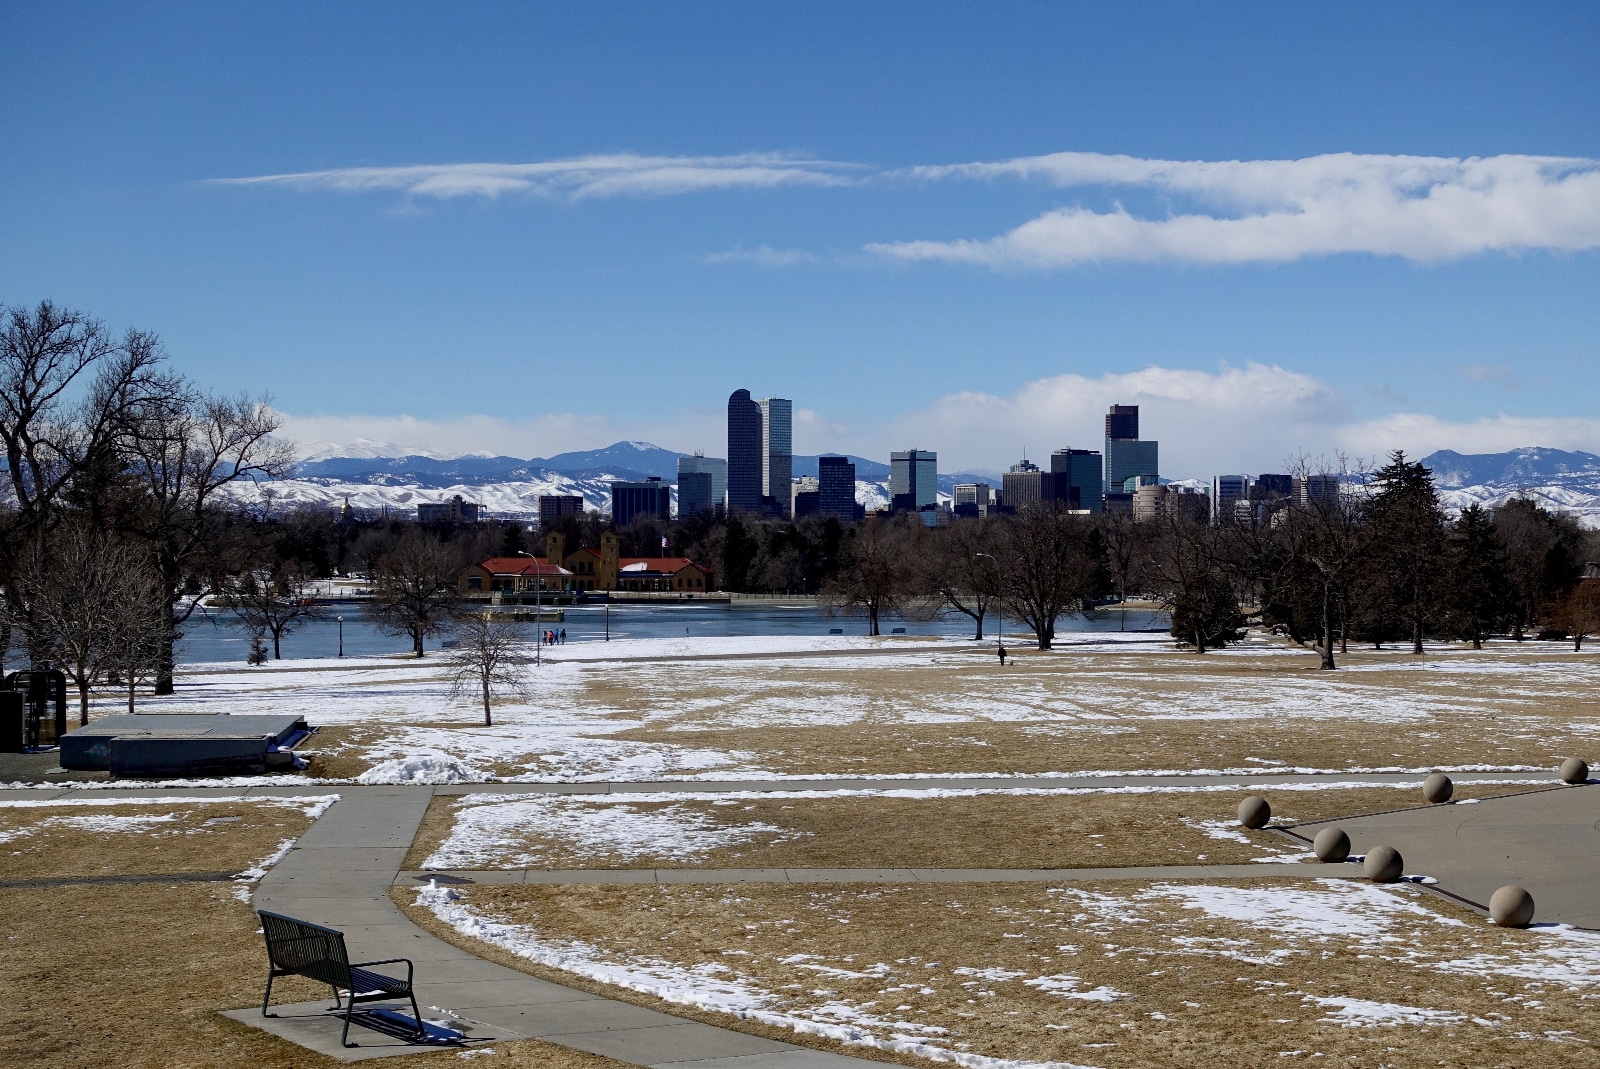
x=314, y=1026
x=1548, y=841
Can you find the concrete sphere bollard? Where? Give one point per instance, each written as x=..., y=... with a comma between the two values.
x=1383, y=864
x=1575, y=770
x=1254, y=812
x=1511, y=907
x=1331, y=845
x=1437, y=788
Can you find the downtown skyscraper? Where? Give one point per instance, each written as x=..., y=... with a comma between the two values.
x=760, y=453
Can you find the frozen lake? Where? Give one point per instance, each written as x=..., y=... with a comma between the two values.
x=220, y=637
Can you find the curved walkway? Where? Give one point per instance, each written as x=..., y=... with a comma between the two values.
x=339, y=874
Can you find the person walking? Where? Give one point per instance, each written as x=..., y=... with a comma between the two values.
x=563, y=640
x=1002, y=656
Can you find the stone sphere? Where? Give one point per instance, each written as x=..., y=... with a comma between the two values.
x=1575, y=770
x=1332, y=845
x=1383, y=864
x=1254, y=812
x=1511, y=907
x=1437, y=788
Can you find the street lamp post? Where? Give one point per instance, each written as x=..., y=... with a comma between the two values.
x=538, y=614
x=341, y=634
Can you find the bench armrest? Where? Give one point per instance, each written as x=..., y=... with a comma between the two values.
x=387, y=961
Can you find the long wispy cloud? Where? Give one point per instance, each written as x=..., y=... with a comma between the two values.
x=1421, y=208
x=617, y=175
x=1425, y=209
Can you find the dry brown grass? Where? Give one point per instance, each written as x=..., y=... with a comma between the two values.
x=988, y=831
x=134, y=975
x=1193, y=988
x=1072, y=710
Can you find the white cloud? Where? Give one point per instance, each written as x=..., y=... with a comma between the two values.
x=763, y=256
x=1250, y=418
x=621, y=174
x=1420, y=208
x=1420, y=434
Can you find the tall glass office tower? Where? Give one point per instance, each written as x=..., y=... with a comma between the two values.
x=777, y=451
x=745, y=456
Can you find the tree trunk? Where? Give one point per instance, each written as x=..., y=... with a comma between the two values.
x=1326, y=645
x=277, y=653
x=872, y=618
x=130, y=693
x=168, y=638
x=978, y=632
x=1577, y=642
x=1416, y=634
x=488, y=721
x=416, y=641
x=83, y=701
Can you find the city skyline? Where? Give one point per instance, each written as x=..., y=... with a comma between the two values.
x=971, y=229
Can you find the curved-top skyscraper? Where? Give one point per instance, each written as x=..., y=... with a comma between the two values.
x=744, y=452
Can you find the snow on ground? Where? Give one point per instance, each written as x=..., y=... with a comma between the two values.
x=1286, y=930
x=489, y=830
x=585, y=694
x=711, y=986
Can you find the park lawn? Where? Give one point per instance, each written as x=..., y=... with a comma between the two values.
x=1165, y=826
x=133, y=975
x=1091, y=710
x=1117, y=974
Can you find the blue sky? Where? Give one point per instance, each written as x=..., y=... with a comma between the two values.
x=767, y=196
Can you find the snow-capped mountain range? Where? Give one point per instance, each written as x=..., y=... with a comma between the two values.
x=1557, y=480
x=374, y=476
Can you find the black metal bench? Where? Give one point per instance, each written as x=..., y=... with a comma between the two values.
x=299, y=948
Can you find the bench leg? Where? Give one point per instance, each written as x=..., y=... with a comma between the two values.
x=268, y=996
x=344, y=1038
x=422, y=1031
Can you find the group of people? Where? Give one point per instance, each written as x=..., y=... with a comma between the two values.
x=555, y=637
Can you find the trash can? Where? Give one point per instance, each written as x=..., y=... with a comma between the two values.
x=12, y=732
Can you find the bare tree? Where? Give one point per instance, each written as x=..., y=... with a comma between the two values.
x=486, y=659
x=414, y=588
x=960, y=566
x=877, y=573
x=1580, y=613
x=137, y=608
x=1127, y=550
x=1188, y=563
x=84, y=605
x=1326, y=540
x=1048, y=567
x=182, y=449
x=276, y=600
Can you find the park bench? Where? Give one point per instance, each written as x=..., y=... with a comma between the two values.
x=299, y=948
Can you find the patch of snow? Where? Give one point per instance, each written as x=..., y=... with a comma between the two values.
x=1067, y=986
x=1359, y=1013
x=422, y=769
x=488, y=830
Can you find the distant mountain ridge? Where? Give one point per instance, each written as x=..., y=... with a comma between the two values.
x=1553, y=478
x=365, y=463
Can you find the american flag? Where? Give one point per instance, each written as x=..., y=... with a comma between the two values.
x=663, y=541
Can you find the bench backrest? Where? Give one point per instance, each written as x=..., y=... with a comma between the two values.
x=307, y=949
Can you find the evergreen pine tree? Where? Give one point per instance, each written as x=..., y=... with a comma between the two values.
x=1480, y=596
x=1407, y=549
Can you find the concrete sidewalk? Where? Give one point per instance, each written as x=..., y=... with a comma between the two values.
x=1548, y=841
x=339, y=874
x=1262, y=870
